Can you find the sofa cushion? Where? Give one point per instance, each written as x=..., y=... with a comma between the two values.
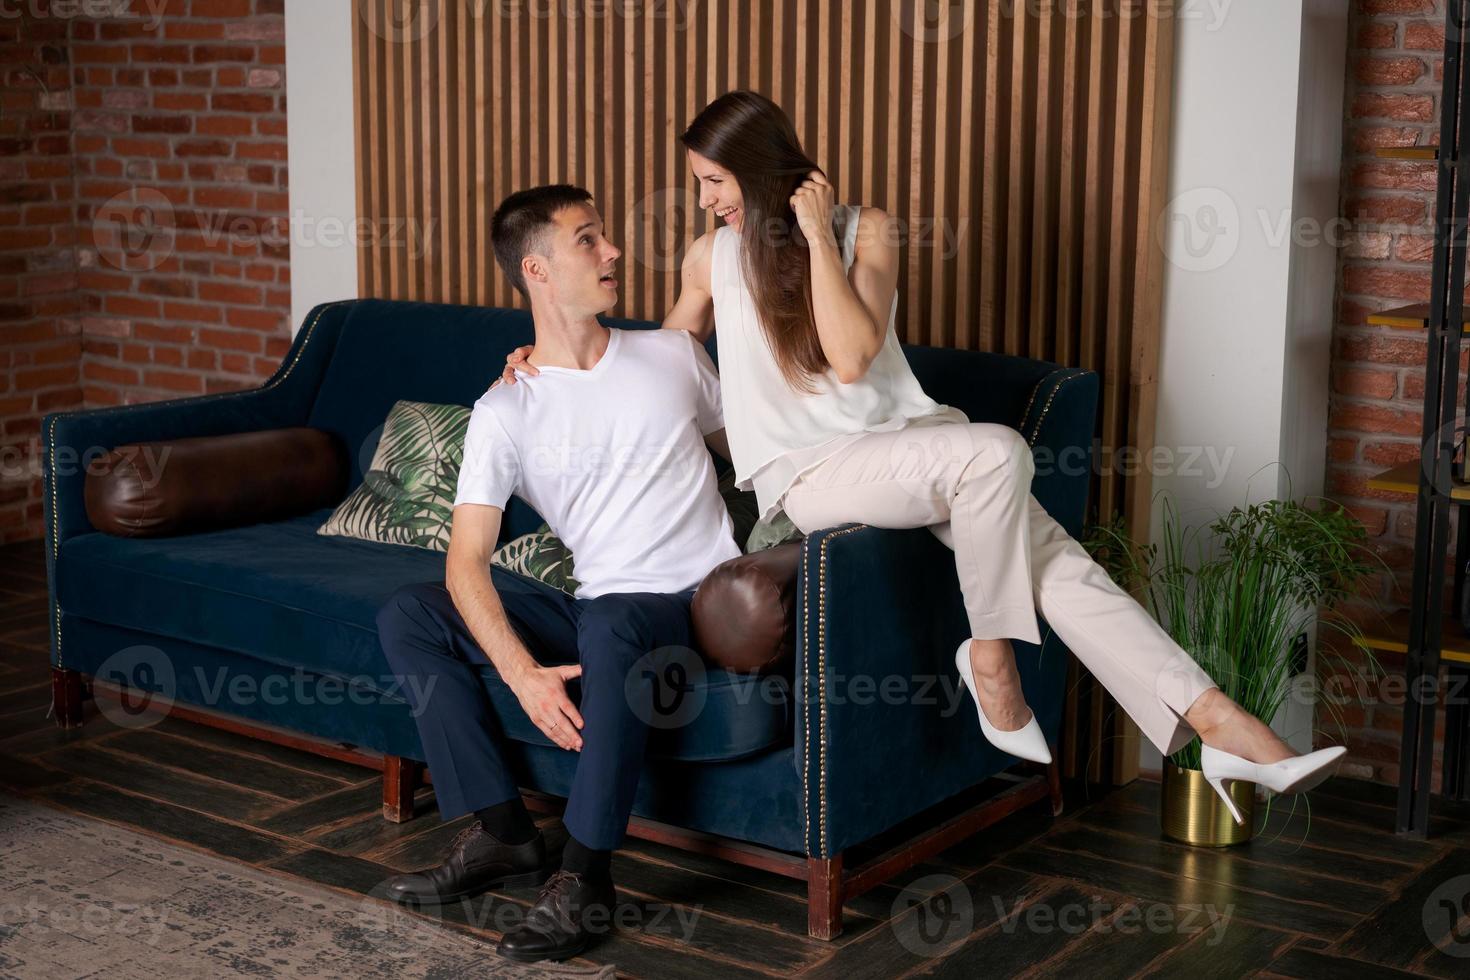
x=407, y=495
x=541, y=556
x=276, y=591
x=288, y=596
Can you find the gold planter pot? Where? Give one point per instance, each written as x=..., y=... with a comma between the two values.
x=1192, y=813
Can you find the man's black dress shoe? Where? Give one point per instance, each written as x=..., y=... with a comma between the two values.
x=569, y=911
x=476, y=863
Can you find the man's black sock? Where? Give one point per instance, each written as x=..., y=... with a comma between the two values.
x=508, y=822
x=583, y=860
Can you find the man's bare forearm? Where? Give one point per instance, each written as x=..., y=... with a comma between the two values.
x=475, y=597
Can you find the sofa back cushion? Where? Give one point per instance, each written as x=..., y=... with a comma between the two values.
x=985, y=385
x=391, y=350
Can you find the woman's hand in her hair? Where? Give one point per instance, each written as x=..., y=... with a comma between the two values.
x=813, y=202
x=518, y=358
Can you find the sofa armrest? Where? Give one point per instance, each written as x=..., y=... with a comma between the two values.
x=1058, y=420
x=884, y=727
x=74, y=440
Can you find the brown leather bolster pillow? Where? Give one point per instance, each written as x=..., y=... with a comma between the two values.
x=744, y=610
x=182, y=486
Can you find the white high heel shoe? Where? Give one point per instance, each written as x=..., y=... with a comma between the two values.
x=1295, y=775
x=1025, y=742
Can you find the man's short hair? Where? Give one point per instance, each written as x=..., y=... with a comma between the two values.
x=521, y=221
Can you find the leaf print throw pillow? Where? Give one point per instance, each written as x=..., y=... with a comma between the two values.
x=407, y=494
x=539, y=555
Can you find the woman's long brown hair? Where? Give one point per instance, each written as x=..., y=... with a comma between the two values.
x=752, y=138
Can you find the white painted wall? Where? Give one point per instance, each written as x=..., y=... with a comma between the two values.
x=320, y=148
x=1250, y=286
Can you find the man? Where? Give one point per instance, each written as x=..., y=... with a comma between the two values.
x=607, y=442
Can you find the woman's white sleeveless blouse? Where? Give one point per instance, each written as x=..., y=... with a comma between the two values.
x=777, y=432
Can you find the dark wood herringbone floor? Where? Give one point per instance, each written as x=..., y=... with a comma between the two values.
x=1097, y=892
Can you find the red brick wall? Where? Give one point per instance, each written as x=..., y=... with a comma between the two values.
x=1394, y=71
x=40, y=344
x=187, y=118
x=175, y=257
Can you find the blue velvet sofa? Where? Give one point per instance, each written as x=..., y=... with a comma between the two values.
x=788, y=774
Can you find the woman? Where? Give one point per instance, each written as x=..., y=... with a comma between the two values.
x=826, y=420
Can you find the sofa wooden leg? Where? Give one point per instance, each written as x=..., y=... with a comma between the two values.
x=66, y=697
x=1054, y=785
x=824, y=897
x=400, y=780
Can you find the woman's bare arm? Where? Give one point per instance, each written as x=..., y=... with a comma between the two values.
x=694, y=310
x=850, y=307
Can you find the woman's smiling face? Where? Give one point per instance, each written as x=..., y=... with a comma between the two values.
x=718, y=190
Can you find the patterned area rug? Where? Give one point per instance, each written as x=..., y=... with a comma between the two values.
x=83, y=898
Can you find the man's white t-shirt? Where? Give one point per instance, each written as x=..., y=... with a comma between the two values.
x=614, y=459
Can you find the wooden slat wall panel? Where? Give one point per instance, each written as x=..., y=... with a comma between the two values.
x=1023, y=144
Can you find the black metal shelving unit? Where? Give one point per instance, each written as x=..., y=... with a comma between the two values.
x=1437, y=480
